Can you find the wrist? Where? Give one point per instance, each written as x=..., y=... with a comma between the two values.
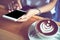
x=33, y=12
x=38, y=10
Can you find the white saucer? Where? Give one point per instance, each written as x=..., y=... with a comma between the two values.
x=33, y=36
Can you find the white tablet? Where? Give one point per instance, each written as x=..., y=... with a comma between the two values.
x=14, y=15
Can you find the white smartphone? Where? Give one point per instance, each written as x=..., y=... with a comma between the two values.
x=14, y=15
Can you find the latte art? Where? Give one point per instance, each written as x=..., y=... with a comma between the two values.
x=46, y=28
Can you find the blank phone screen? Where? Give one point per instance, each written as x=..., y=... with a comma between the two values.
x=16, y=14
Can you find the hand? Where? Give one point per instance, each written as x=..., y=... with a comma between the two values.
x=13, y=7
x=23, y=18
x=29, y=14
x=17, y=7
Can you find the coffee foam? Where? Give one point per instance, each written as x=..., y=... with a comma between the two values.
x=47, y=27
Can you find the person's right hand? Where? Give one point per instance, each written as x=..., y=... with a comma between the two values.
x=14, y=6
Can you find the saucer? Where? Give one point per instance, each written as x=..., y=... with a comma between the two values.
x=33, y=35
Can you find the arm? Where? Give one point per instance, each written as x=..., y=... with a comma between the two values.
x=43, y=9
x=48, y=7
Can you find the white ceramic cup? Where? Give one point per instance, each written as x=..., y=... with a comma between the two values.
x=46, y=28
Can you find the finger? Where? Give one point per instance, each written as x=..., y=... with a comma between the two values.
x=21, y=20
x=10, y=11
x=22, y=17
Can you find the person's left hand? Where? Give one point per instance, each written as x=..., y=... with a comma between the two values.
x=29, y=14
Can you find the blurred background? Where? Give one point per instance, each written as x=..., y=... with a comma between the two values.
x=55, y=14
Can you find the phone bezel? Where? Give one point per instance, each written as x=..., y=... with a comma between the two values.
x=11, y=18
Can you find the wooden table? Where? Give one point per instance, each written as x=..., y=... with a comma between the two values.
x=17, y=28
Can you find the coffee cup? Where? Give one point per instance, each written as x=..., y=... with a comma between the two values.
x=46, y=28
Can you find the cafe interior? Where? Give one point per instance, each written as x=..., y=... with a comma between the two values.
x=12, y=30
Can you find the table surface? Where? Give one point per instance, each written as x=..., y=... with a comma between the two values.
x=17, y=28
